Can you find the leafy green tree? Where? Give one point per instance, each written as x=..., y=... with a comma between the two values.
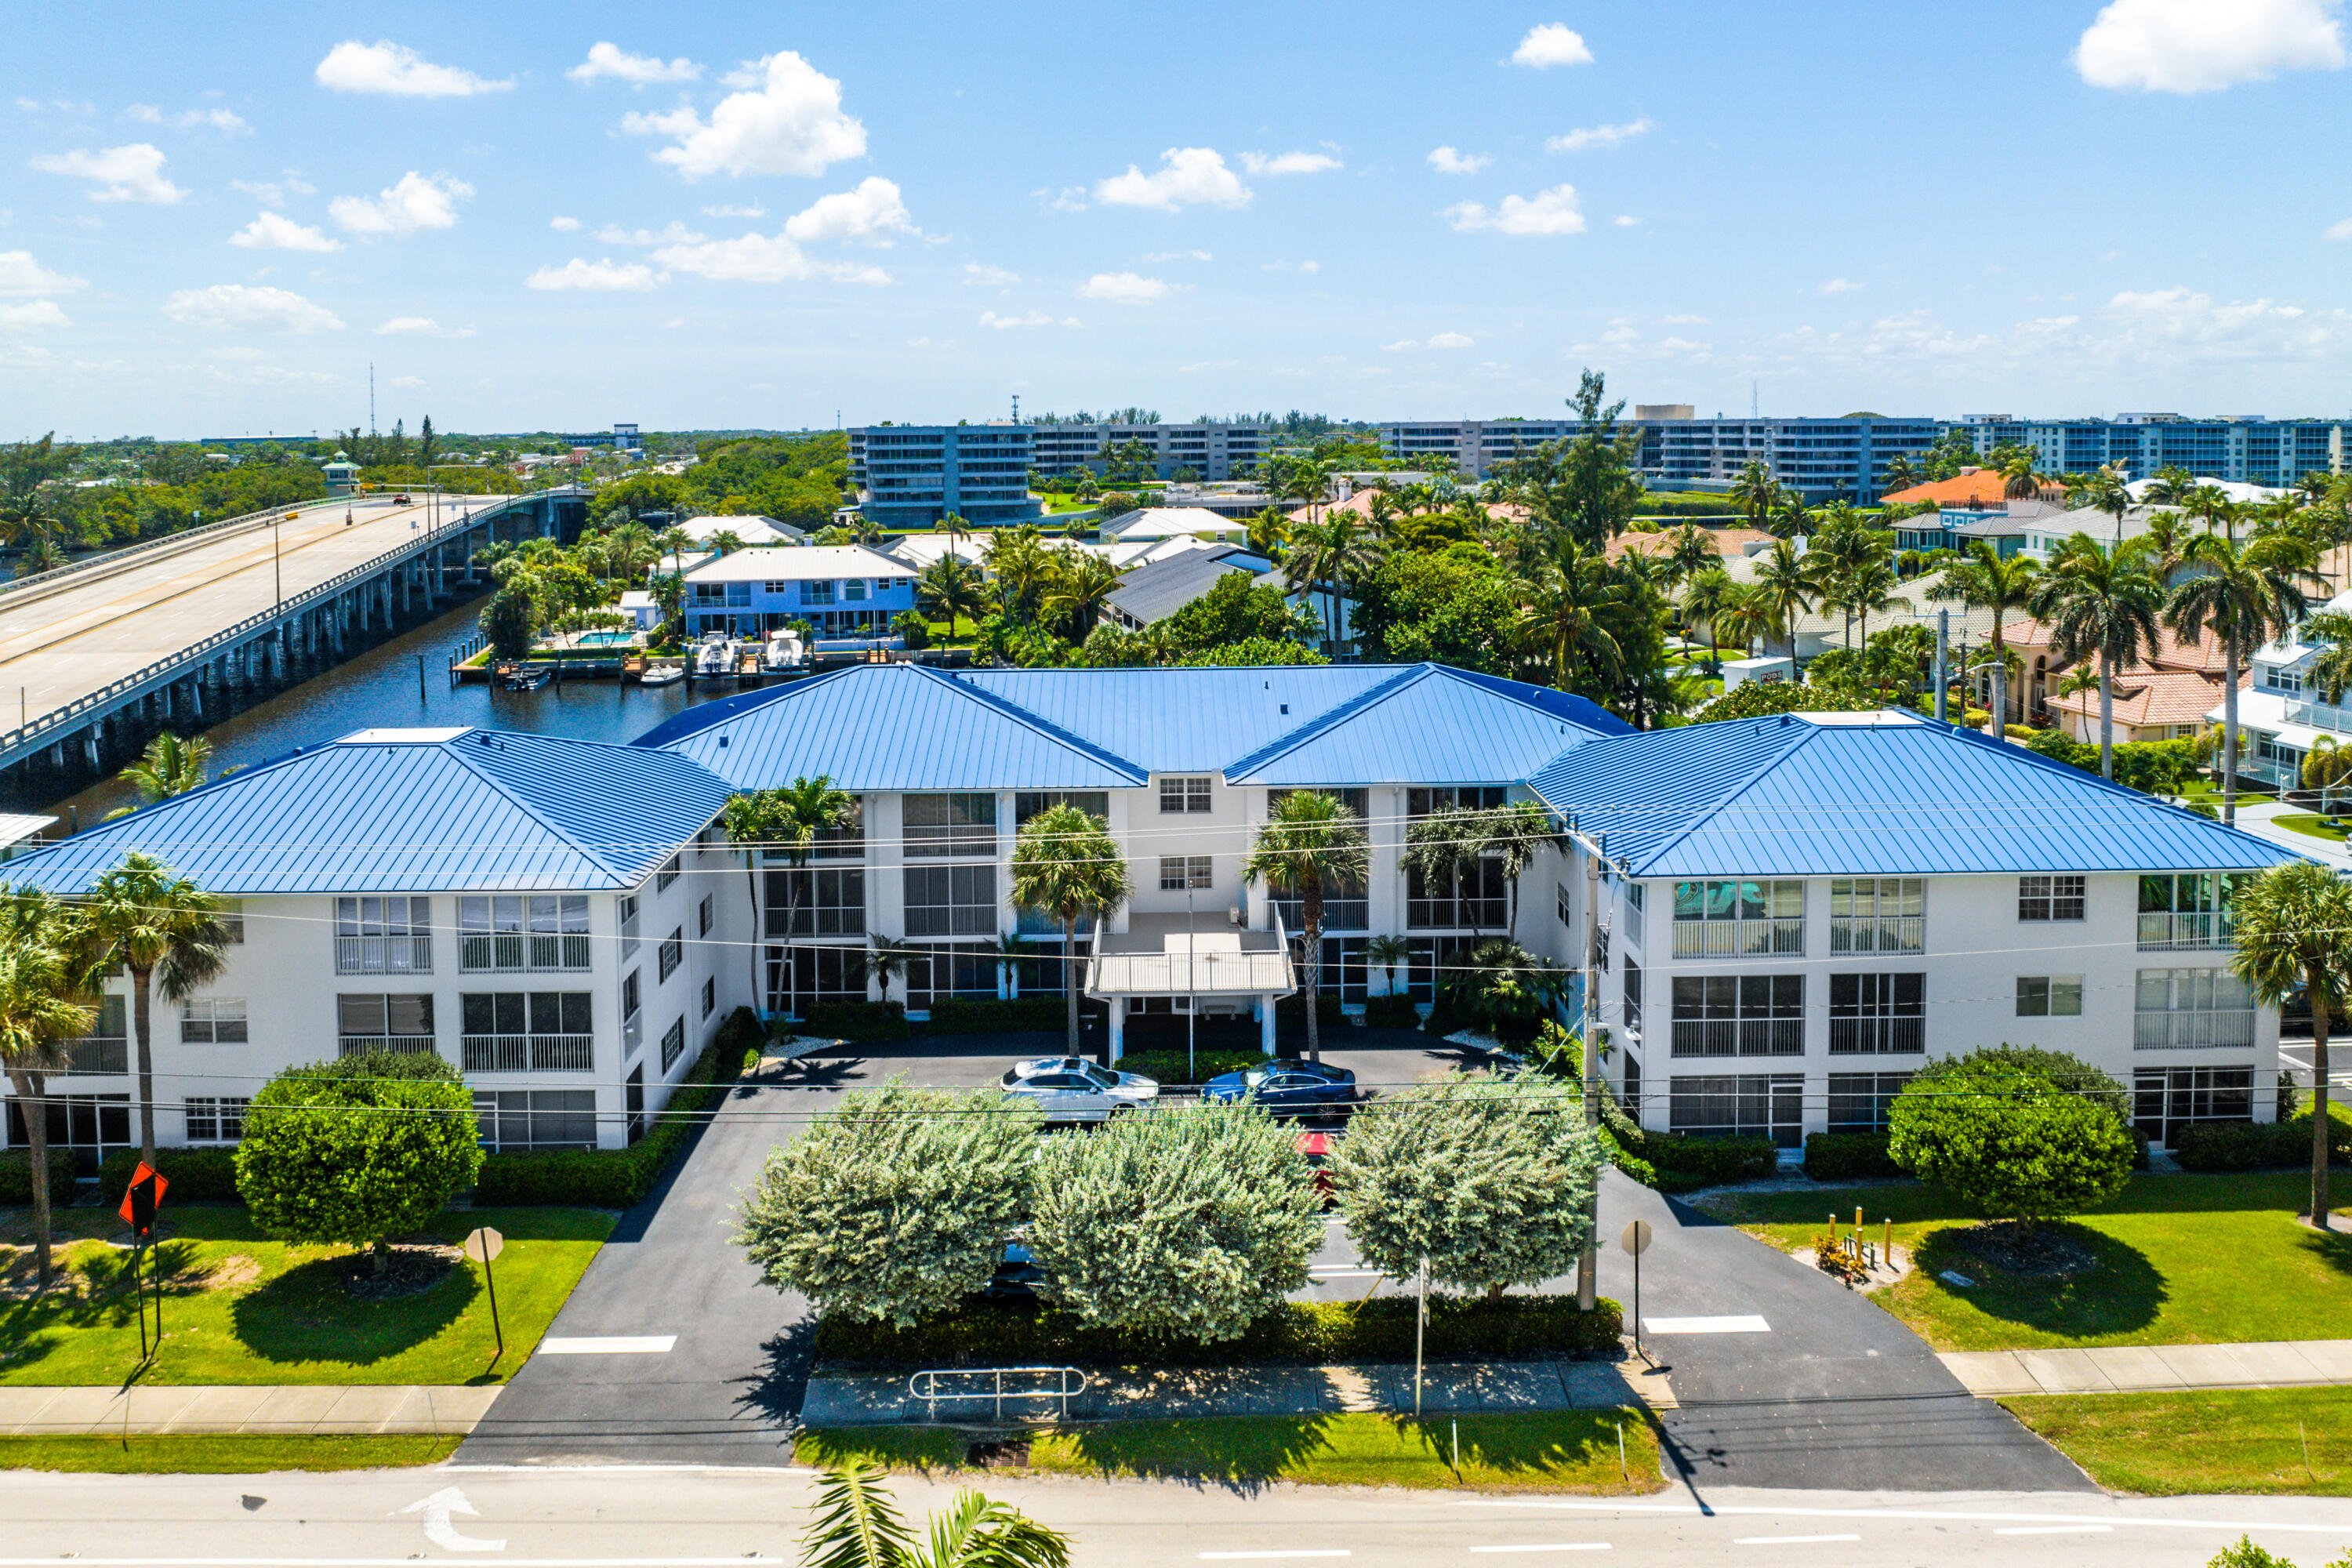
x=1066, y=862
x=1310, y=844
x=894, y=1205
x=1488, y=1180
x=1570, y=594
x=29, y=471
x=357, y=1150
x=784, y=823
x=2294, y=935
x=42, y=1006
x=857, y=1525
x=509, y=622
x=1761, y=699
x=1447, y=607
x=1584, y=487
x=2008, y=1140
x=1190, y=1221
x=161, y=928
x=2104, y=606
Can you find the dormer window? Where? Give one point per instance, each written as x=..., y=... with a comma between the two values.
x=2275, y=679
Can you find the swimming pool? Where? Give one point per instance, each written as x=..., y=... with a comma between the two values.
x=606, y=639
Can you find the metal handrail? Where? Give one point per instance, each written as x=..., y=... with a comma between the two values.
x=925, y=1386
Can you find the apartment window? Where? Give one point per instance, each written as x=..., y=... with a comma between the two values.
x=1031, y=803
x=951, y=825
x=1632, y=992
x=816, y=594
x=936, y=971
x=215, y=1119
x=527, y=1031
x=709, y=996
x=106, y=1049
x=628, y=907
x=2048, y=995
x=1877, y=1014
x=213, y=1021
x=1878, y=914
x=2166, y=1100
x=1637, y=895
x=1743, y=1105
x=2185, y=1009
x=1181, y=795
x=667, y=874
x=673, y=953
x=1181, y=872
x=2187, y=909
x=1739, y=1014
x=673, y=1043
x=231, y=915
x=1560, y=905
x=372, y=1021
x=1732, y=920
x=1858, y=1102
x=2050, y=898
x=830, y=903
x=853, y=590
x=388, y=935
x=706, y=916
x=523, y=930
x=950, y=900
x=1420, y=803
x=1476, y=896
x=536, y=1118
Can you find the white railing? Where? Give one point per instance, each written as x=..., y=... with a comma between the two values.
x=2161, y=932
x=528, y=1053
x=396, y=1044
x=1876, y=933
x=1067, y=1380
x=1739, y=939
x=162, y=544
x=483, y=953
x=2230, y=1026
x=384, y=955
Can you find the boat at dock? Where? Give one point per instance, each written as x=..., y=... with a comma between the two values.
x=784, y=653
x=715, y=658
x=525, y=677
x=662, y=674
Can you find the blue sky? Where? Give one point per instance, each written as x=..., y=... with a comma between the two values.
x=537, y=215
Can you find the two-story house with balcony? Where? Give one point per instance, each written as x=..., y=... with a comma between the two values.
x=1803, y=910
x=549, y=915
x=842, y=590
x=2284, y=713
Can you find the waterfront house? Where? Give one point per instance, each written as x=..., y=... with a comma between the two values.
x=842, y=590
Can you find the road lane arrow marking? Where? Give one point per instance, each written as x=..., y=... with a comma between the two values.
x=437, y=1509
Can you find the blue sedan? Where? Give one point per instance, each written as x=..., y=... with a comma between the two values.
x=1287, y=1087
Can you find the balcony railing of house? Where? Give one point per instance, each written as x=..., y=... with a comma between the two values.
x=1738, y=1037
x=2161, y=932
x=1874, y=933
x=397, y=1045
x=99, y=1054
x=1877, y=1036
x=2319, y=716
x=1452, y=915
x=384, y=955
x=1339, y=914
x=528, y=1053
x=1739, y=939
x=2186, y=1031
x=524, y=951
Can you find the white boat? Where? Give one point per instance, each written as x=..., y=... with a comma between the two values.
x=662, y=675
x=782, y=653
x=715, y=659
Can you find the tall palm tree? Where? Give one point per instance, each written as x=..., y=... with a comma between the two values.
x=2102, y=490
x=164, y=930
x=2330, y=631
x=1756, y=493
x=2246, y=595
x=170, y=766
x=1267, y=530
x=786, y=822
x=1870, y=586
x=2171, y=486
x=1569, y=595
x=2099, y=605
x=1516, y=832
x=1690, y=550
x=857, y=1525
x=1445, y=847
x=2211, y=505
x=1066, y=862
x=1018, y=566
x=1308, y=842
x=2293, y=929
x=1901, y=475
x=1704, y=597
x=951, y=586
x=2017, y=479
x=41, y=1008
x=1783, y=588
x=1981, y=580
x=675, y=542
x=630, y=548
x=1082, y=584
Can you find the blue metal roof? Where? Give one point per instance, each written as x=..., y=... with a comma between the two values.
x=1430, y=724
x=1789, y=797
x=421, y=811
x=1182, y=721
x=888, y=727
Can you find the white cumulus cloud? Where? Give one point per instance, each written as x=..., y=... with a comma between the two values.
x=127, y=174
x=786, y=120
x=2202, y=46
x=240, y=308
x=566, y=225
x=672, y=233
x=274, y=231
x=763, y=258
x=734, y=209
x=417, y=202
x=20, y=274
x=1288, y=163
x=612, y=60
x=1440, y=341
x=33, y=313
x=2340, y=230
x=595, y=277
x=1007, y=324
x=1454, y=160
x=1602, y=136
x=388, y=67
x=1549, y=43
x=875, y=207
x=1554, y=211
x=226, y=122
x=1123, y=289
x=994, y=277
x=1627, y=220
x=420, y=327
x=1187, y=176
x=1840, y=286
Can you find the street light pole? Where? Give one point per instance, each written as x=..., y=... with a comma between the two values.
x=277, y=559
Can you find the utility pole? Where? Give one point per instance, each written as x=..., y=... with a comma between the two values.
x=1943, y=655
x=1588, y=1265
x=371, y=400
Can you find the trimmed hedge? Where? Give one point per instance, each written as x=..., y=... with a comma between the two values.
x=1394, y=1011
x=859, y=1021
x=2211, y=1146
x=617, y=1178
x=1297, y=1333
x=1168, y=1067
x=1845, y=1156
x=198, y=1175
x=17, y=1177
x=953, y=1016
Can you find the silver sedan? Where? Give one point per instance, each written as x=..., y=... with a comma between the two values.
x=1074, y=1089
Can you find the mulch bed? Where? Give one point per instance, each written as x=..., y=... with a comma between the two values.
x=2027, y=1251
x=412, y=1269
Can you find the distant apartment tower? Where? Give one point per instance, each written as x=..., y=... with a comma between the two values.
x=1823, y=459
x=1472, y=448
x=1211, y=450
x=912, y=476
x=2249, y=448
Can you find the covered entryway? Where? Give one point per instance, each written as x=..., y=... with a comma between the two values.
x=1162, y=976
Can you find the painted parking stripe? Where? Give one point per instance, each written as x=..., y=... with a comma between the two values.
x=1721, y=1510
x=622, y=1344
x=2058, y=1529
x=1786, y=1539
x=1732, y=1325
x=1246, y=1556
x=1550, y=1546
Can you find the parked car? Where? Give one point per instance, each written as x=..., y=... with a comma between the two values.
x=1315, y=1148
x=1288, y=1086
x=1036, y=1065
x=1074, y=1090
x=1017, y=1276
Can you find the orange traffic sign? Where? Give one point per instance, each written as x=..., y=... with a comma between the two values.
x=145, y=1196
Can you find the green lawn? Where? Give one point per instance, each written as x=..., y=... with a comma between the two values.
x=2183, y=1260
x=2309, y=824
x=226, y=1455
x=1548, y=1451
x=239, y=1308
x=2206, y=790
x=2227, y=1440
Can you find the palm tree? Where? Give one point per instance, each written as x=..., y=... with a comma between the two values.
x=2247, y=595
x=1690, y=550
x=1011, y=952
x=1309, y=842
x=1516, y=832
x=1707, y=595
x=2211, y=505
x=1384, y=954
x=170, y=766
x=886, y=959
x=1870, y=586
x=2293, y=929
x=1756, y=493
x=2019, y=482
x=1268, y=531
x=630, y=548
x=2099, y=605
x=161, y=928
x=1570, y=594
x=1066, y=862
x=784, y=822
x=40, y=1010
x=675, y=542
x=2102, y=490
x=2330, y=631
x=1981, y=580
x=950, y=585
x=1082, y=584
x=2171, y=486
x=857, y=1525
x=1900, y=475
x=1444, y=847
x=1784, y=588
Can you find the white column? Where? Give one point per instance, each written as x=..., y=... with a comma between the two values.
x=1266, y=1024
x=1118, y=1028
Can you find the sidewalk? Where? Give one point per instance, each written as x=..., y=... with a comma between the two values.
x=2141, y=1369
x=1154, y=1393
x=2254, y=817
x=254, y=1409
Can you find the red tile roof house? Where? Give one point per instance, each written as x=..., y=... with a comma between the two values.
x=2159, y=698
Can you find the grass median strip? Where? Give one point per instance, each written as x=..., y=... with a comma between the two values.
x=2253, y=1440
x=225, y=1455
x=1536, y=1451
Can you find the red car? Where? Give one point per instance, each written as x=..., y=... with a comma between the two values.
x=1315, y=1148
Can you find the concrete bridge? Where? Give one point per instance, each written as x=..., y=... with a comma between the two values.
x=181, y=632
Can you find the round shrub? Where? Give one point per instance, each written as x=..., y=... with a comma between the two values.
x=2008, y=1140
